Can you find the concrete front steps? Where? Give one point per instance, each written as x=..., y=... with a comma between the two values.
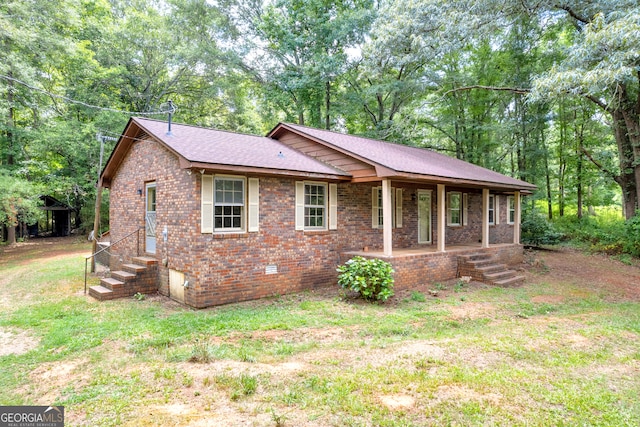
x=139, y=276
x=483, y=268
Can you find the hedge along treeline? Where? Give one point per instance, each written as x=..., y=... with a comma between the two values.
x=608, y=232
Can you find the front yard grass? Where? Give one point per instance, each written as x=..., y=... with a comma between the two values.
x=554, y=351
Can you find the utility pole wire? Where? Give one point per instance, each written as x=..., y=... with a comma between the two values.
x=96, y=107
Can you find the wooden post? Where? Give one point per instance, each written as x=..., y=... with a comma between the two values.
x=387, y=225
x=96, y=225
x=442, y=216
x=517, y=219
x=485, y=217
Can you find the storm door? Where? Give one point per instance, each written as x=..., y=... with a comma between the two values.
x=150, y=218
x=424, y=216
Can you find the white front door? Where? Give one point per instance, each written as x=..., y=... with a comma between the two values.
x=424, y=216
x=150, y=218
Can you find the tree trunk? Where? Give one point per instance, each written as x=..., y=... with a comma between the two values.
x=627, y=177
x=10, y=125
x=547, y=172
x=579, y=189
x=579, y=135
x=11, y=235
x=12, y=217
x=327, y=123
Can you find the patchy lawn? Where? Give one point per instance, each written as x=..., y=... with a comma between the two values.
x=562, y=349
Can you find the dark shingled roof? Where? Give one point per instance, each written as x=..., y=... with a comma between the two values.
x=216, y=147
x=412, y=160
x=200, y=147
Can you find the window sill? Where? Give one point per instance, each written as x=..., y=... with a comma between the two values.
x=317, y=232
x=230, y=235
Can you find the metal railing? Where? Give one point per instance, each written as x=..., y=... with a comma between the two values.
x=108, y=249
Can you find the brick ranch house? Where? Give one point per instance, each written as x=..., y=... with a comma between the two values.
x=226, y=217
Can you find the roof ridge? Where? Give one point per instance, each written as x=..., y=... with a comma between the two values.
x=358, y=136
x=202, y=127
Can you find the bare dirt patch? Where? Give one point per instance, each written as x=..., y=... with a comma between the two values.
x=398, y=401
x=16, y=342
x=595, y=272
x=23, y=253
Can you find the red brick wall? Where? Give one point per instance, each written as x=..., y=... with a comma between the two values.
x=412, y=271
x=231, y=267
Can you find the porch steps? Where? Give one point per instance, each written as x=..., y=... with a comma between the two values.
x=141, y=275
x=483, y=268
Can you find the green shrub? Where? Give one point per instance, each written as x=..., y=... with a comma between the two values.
x=371, y=278
x=603, y=233
x=632, y=236
x=536, y=230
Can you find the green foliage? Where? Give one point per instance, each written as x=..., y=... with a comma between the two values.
x=371, y=278
x=631, y=243
x=418, y=296
x=19, y=201
x=609, y=234
x=536, y=230
x=201, y=352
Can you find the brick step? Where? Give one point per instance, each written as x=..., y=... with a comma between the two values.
x=144, y=261
x=111, y=283
x=484, y=268
x=475, y=257
x=134, y=268
x=138, y=276
x=480, y=264
x=123, y=276
x=499, y=275
x=511, y=281
x=101, y=293
x=491, y=268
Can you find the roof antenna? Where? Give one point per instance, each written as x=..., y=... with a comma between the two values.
x=172, y=109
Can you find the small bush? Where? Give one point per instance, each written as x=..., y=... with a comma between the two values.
x=536, y=230
x=201, y=352
x=632, y=240
x=371, y=278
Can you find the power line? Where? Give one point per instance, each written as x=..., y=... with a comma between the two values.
x=172, y=107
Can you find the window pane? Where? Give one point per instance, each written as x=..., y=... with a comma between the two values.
x=455, y=201
x=315, y=205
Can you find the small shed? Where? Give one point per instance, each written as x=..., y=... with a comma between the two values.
x=58, y=217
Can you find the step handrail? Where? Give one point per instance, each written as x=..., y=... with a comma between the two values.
x=88, y=257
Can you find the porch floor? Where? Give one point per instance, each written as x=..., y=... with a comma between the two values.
x=426, y=250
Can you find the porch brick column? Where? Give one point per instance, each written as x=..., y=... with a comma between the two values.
x=442, y=215
x=516, y=220
x=387, y=224
x=485, y=217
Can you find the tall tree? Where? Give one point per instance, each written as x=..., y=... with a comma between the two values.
x=603, y=68
x=300, y=54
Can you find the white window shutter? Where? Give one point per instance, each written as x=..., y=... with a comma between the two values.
x=333, y=206
x=398, y=207
x=374, y=207
x=206, y=211
x=254, y=205
x=465, y=204
x=496, y=209
x=299, y=205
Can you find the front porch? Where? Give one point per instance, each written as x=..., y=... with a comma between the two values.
x=416, y=267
